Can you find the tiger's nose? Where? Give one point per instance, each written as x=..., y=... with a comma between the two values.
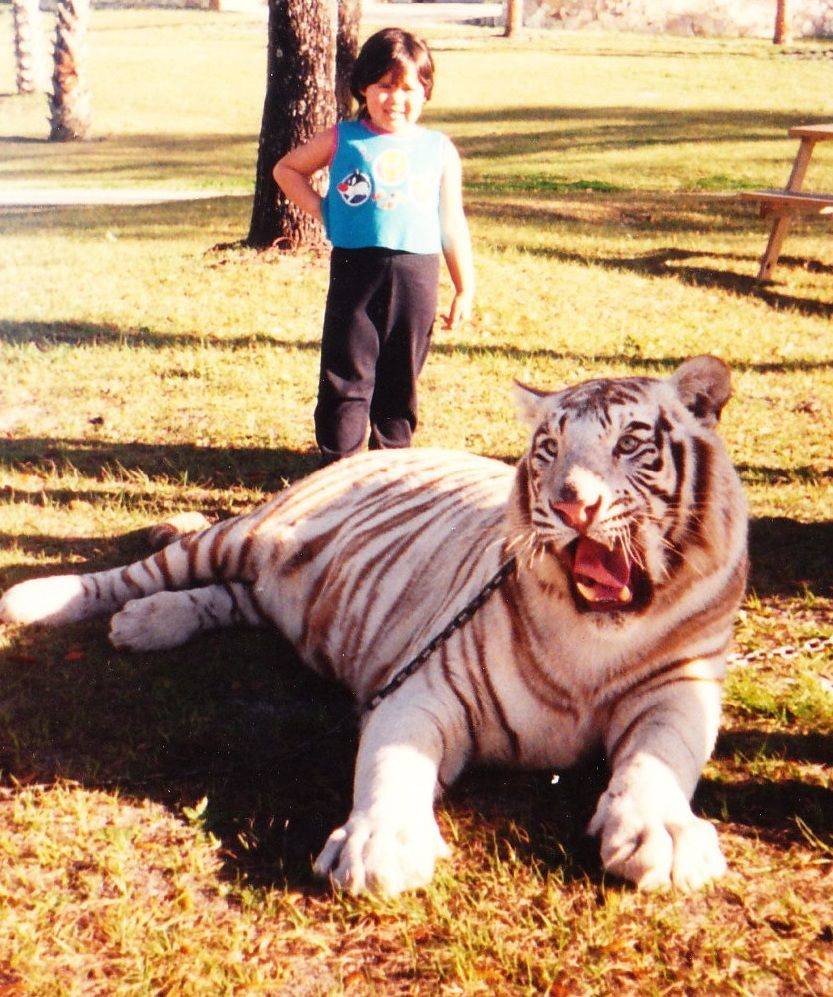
x=578, y=515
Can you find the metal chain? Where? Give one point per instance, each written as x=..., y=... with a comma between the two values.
x=458, y=621
x=786, y=652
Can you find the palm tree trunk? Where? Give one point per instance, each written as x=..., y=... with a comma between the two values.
x=514, y=17
x=783, y=33
x=69, y=104
x=347, y=47
x=28, y=46
x=300, y=102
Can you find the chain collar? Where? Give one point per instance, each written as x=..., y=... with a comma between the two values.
x=458, y=621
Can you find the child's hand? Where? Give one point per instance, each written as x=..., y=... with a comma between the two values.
x=460, y=310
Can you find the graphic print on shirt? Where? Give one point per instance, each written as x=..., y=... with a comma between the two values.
x=391, y=167
x=388, y=200
x=355, y=188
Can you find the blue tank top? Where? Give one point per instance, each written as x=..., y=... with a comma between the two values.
x=385, y=189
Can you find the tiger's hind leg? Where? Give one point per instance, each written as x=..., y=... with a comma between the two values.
x=176, y=527
x=192, y=559
x=169, y=619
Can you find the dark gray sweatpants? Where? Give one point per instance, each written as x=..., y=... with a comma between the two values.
x=377, y=329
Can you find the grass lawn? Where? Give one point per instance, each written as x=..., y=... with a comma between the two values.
x=158, y=811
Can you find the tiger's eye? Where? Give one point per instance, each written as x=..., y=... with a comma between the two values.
x=548, y=447
x=627, y=443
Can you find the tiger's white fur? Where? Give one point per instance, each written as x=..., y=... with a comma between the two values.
x=629, y=524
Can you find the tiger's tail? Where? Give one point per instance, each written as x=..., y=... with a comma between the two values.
x=193, y=560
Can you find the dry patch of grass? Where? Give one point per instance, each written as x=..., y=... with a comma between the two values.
x=159, y=811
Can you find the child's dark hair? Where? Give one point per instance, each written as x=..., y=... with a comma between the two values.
x=391, y=50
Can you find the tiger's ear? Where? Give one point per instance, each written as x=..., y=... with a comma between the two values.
x=531, y=402
x=704, y=385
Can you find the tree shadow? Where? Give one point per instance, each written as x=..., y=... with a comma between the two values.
x=48, y=333
x=788, y=557
x=773, y=808
x=90, y=334
x=233, y=718
x=557, y=130
x=669, y=262
x=205, y=466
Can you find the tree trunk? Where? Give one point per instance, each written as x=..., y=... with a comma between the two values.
x=300, y=102
x=514, y=17
x=783, y=34
x=28, y=46
x=69, y=103
x=347, y=48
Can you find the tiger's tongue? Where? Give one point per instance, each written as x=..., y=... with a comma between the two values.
x=602, y=575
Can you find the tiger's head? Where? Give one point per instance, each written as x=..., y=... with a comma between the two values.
x=626, y=493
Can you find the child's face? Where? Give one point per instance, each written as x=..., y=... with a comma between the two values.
x=395, y=101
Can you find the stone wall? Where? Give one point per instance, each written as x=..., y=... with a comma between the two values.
x=810, y=18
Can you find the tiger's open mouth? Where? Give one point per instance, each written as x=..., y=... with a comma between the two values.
x=603, y=580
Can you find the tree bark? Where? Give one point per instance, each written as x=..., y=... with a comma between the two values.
x=300, y=102
x=69, y=103
x=514, y=17
x=347, y=48
x=28, y=46
x=783, y=32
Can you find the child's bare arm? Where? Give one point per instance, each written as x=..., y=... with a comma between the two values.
x=456, y=240
x=293, y=171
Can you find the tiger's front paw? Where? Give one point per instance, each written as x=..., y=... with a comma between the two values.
x=381, y=854
x=653, y=851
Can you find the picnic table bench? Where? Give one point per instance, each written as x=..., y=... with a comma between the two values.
x=782, y=205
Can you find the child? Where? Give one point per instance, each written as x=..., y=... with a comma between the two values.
x=394, y=202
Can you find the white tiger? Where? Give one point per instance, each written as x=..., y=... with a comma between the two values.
x=629, y=526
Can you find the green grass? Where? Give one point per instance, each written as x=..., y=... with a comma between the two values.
x=159, y=811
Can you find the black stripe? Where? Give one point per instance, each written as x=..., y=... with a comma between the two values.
x=161, y=561
x=682, y=678
x=701, y=489
x=470, y=723
x=214, y=550
x=236, y=613
x=129, y=582
x=243, y=559
x=523, y=489
x=257, y=605
x=626, y=733
x=512, y=737
x=191, y=549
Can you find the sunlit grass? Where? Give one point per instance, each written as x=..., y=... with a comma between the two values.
x=143, y=371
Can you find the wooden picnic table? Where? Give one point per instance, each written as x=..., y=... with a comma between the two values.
x=782, y=205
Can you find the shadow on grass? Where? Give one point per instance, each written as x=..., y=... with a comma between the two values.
x=609, y=128
x=47, y=334
x=92, y=334
x=772, y=807
x=164, y=221
x=210, y=467
x=669, y=262
x=156, y=157
x=233, y=718
x=789, y=557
